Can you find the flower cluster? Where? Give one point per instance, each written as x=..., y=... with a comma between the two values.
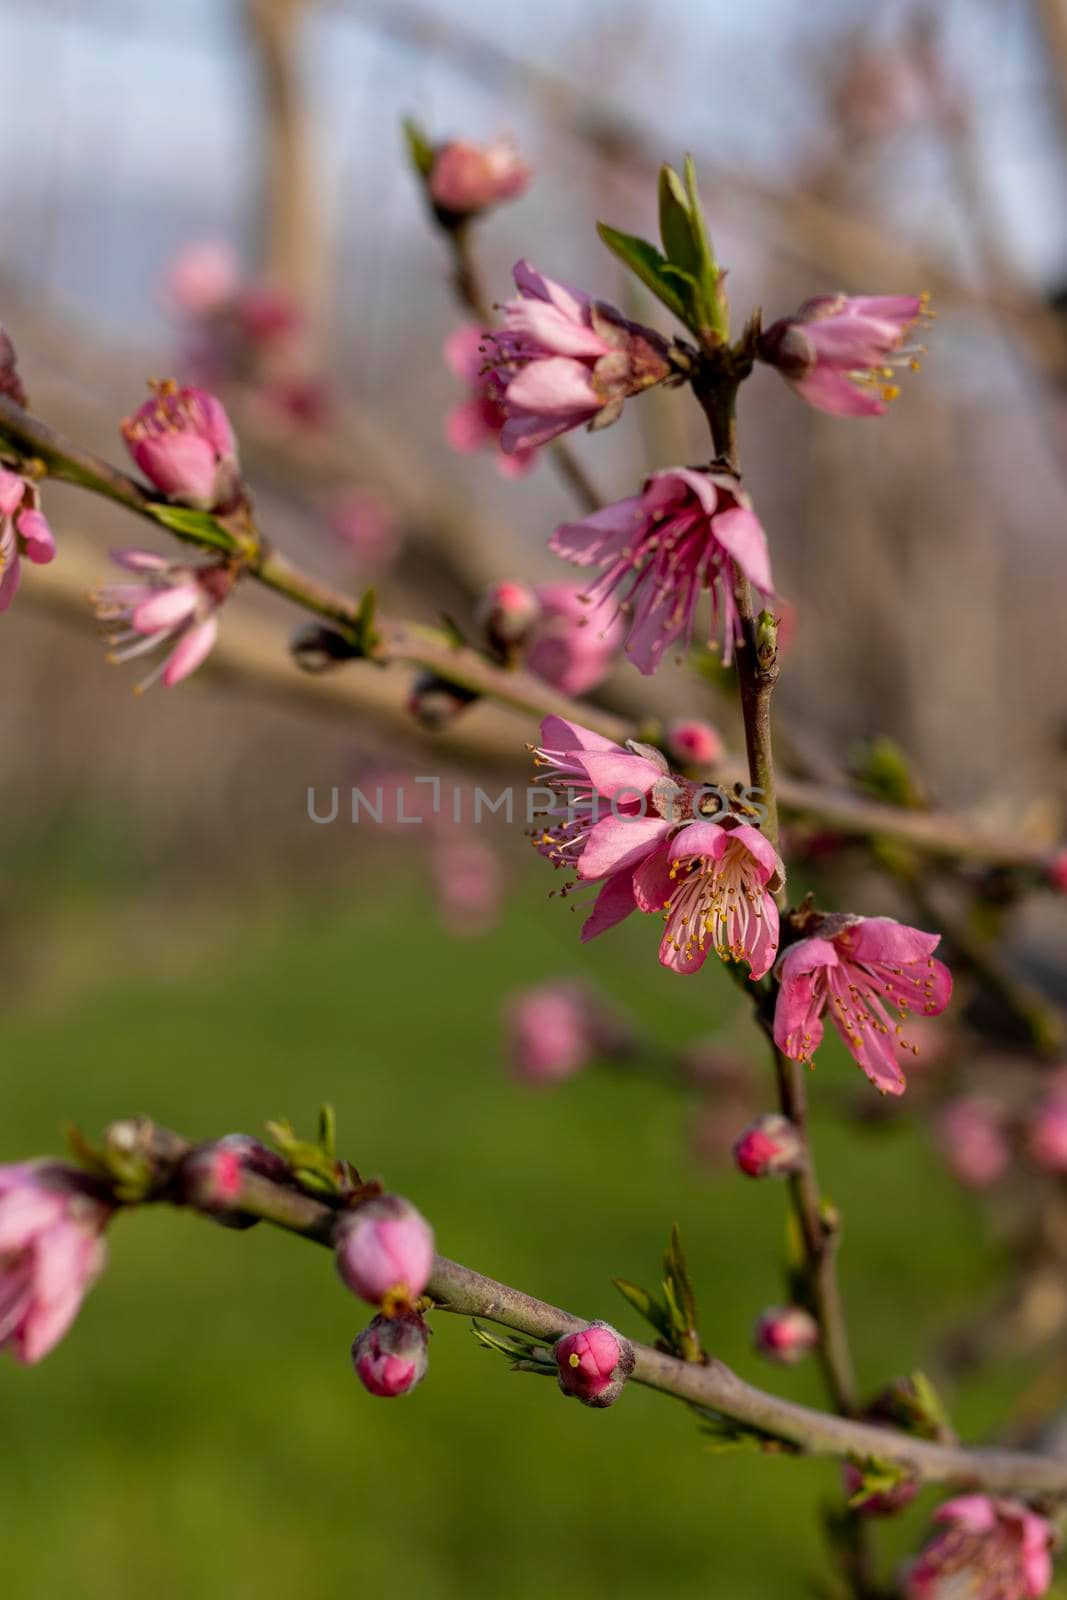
x=622, y=820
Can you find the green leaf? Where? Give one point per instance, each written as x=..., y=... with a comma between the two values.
x=366, y=637
x=676, y=224
x=522, y=1352
x=646, y=263
x=723, y=1434
x=328, y=1131
x=646, y=1305
x=680, y=1283
x=199, y=527
x=419, y=147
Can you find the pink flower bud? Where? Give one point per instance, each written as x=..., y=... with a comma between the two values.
x=385, y=1251
x=390, y=1355
x=770, y=1148
x=594, y=1364
x=693, y=743
x=466, y=178
x=182, y=441
x=211, y=1176
x=881, y=1503
x=786, y=1334
x=506, y=614
x=1057, y=871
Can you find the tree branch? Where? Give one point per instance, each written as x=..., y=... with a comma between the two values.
x=464, y=1292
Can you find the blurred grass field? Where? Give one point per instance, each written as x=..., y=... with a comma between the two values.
x=200, y=1433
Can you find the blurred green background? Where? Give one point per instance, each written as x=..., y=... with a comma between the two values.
x=200, y=1432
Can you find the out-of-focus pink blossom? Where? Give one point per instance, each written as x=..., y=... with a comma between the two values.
x=469, y=881
x=268, y=315
x=693, y=743
x=368, y=524
x=786, y=1334
x=24, y=531
x=563, y=360
x=1047, y=1139
x=203, y=278
x=770, y=1148
x=574, y=643
x=390, y=1355
x=972, y=1135
x=1057, y=871
x=871, y=973
x=163, y=603
x=182, y=441
x=715, y=886
x=478, y=422
x=594, y=1364
x=385, y=1252
x=987, y=1550
x=882, y=92
x=557, y=1028
x=51, y=1252
x=467, y=178
x=659, y=551
x=878, y=1502
x=840, y=352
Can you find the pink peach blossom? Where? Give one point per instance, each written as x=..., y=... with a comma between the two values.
x=467, y=178
x=24, y=531
x=988, y=1549
x=478, y=422
x=839, y=351
x=715, y=887
x=872, y=973
x=660, y=550
x=164, y=603
x=563, y=360
x=51, y=1252
x=182, y=441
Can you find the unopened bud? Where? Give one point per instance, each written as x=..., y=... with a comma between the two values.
x=318, y=648
x=692, y=743
x=770, y=1148
x=786, y=1334
x=594, y=1364
x=390, y=1355
x=211, y=1176
x=507, y=613
x=385, y=1252
x=435, y=703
